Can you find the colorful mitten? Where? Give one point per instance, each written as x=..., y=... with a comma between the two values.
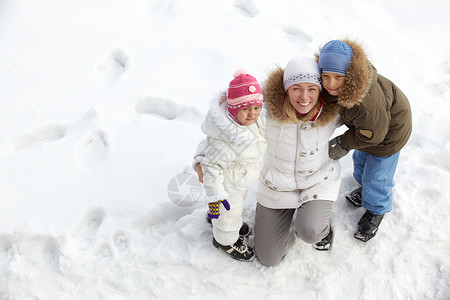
x=214, y=210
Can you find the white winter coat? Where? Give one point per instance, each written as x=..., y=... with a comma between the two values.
x=297, y=168
x=234, y=153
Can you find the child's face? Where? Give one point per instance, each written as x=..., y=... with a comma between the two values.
x=303, y=96
x=333, y=82
x=249, y=115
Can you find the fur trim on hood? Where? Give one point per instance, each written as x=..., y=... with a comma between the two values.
x=275, y=97
x=219, y=125
x=359, y=77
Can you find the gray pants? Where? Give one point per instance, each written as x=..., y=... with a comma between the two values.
x=272, y=226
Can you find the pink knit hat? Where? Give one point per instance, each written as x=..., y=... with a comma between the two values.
x=243, y=91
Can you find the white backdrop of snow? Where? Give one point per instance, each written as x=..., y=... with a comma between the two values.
x=100, y=108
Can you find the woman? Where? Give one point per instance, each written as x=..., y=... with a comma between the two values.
x=297, y=176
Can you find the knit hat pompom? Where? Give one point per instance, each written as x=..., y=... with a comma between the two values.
x=243, y=91
x=335, y=57
x=300, y=70
x=239, y=72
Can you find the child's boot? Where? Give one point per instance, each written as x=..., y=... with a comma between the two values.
x=239, y=250
x=355, y=197
x=368, y=226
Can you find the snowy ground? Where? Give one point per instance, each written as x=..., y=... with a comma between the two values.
x=100, y=110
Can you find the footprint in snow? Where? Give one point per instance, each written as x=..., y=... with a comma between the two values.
x=50, y=253
x=40, y=252
x=165, y=108
x=88, y=228
x=297, y=35
x=115, y=63
x=247, y=8
x=44, y=135
x=92, y=149
x=158, y=107
x=121, y=241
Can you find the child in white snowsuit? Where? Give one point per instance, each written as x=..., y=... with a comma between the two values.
x=234, y=147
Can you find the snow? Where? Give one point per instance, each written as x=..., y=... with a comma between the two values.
x=100, y=111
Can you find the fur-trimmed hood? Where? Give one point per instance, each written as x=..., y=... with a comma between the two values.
x=375, y=110
x=219, y=125
x=275, y=96
x=358, y=80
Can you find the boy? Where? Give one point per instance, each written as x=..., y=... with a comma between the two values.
x=378, y=116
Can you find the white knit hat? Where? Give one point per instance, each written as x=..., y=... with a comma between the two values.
x=301, y=69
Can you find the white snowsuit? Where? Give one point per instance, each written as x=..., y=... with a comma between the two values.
x=232, y=163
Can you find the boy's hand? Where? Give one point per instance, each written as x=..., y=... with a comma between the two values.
x=335, y=148
x=214, y=208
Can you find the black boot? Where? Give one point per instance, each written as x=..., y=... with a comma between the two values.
x=368, y=226
x=355, y=197
x=239, y=250
x=325, y=243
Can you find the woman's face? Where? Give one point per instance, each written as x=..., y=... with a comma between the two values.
x=303, y=96
x=333, y=82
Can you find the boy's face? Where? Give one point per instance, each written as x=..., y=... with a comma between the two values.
x=333, y=82
x=303, y=96
x=249, y=115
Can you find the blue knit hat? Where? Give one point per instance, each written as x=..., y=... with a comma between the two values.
x=335, y=57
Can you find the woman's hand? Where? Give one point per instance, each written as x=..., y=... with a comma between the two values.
x=198, y=169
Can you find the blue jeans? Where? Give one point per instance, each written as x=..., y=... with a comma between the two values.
x=376, y=176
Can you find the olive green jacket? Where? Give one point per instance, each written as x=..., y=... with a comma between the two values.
x=374, y=109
